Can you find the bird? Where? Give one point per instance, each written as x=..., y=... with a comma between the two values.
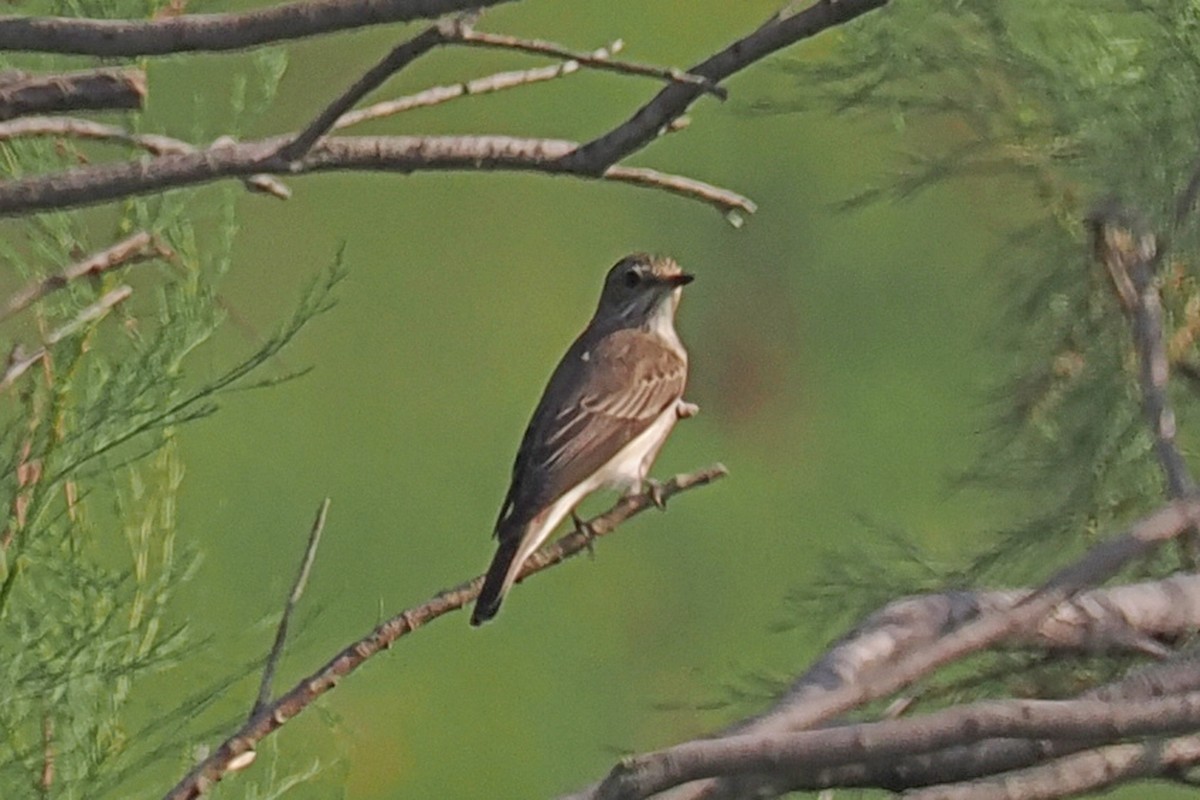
x=608, y=408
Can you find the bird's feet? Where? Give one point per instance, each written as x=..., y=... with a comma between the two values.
x=684, y=409
x=657, y=495
x=588, y=533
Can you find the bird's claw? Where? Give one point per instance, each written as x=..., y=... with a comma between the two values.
x=587, y=531
x=657, y=495
x=684, y=409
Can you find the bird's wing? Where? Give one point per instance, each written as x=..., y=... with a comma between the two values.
x=598, y=400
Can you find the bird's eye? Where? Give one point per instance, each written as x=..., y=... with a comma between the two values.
x=632, y=278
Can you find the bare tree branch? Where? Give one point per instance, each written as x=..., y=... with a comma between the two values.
x=994, y=756
x=786, y=28
x=92, y=184
x=96, y=89
x=1081, y=773
x=129, y=250
x=459, y=30
x=808, y=703
x=310, y=555
x=1101, y=620
x=237, y=749
x=795, y=753
x=214, y=32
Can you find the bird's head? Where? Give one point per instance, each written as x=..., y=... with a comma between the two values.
x=639, y=287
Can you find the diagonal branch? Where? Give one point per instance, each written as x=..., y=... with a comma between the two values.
x=215, y=32
x=782, y=30
x=87, y=185
x=400, y=57
x=237, y=749
x=96, y=89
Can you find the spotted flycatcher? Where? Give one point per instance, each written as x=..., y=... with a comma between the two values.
x=603, y=417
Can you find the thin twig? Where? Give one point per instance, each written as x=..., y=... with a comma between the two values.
x=492, y=83
x=215, y=32
x=539, y=47
x=95, y=89
x=19, y=362
x=235, y=749
x=310, y=554
x=129, y=250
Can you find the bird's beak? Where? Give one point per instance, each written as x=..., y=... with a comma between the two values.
x=682, y=279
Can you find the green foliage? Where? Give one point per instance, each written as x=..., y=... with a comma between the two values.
x=1071, y=102
x=91, y=473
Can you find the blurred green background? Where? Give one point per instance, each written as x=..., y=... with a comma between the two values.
x=838, y=360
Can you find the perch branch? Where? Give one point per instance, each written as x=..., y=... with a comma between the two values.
x=129, y=250
x=236, y=749
x=91, y=90
x=310, y=554
x=215, y=32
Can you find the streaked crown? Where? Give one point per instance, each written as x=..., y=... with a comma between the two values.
x=640, y=286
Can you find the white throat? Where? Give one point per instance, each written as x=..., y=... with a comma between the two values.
x=661, y=323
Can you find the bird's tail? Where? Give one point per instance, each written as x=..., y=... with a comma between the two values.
x=497, y=580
